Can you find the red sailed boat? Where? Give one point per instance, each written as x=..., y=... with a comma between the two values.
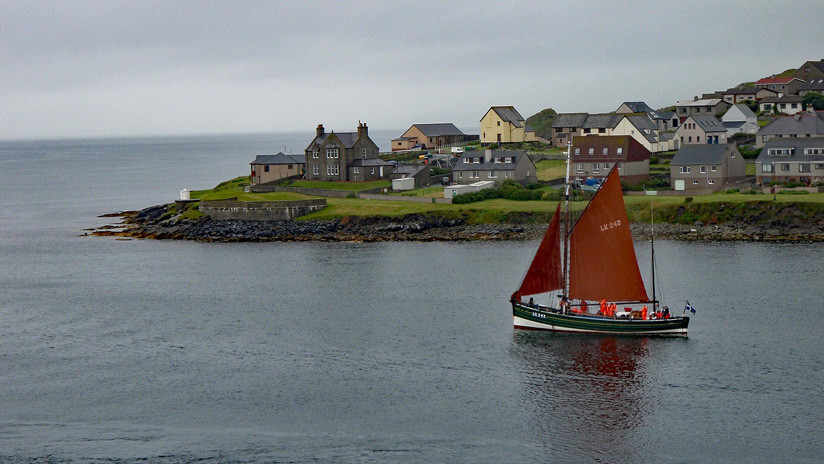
x=596, y=263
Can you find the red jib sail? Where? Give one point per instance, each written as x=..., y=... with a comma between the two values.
x=602, y=258
x=544, y=273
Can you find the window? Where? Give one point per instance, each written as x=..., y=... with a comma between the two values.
x=315, y=170
x=577, y=151
x=355, y=169
x=331, y=152
x=466, y=160
x=804, y=167
x=606, y=151
x=329, y=170
x=606, y=165
x=493, y=175
x=695, y=182
x=714, y=168
x=710, y=181
x=363, y=152
x=819, y=166
x=591, y=151
x=703, y=169
x=785, y=166
x=684, y=170
x=602, y=130
x=814, y=151
x=266, y=168
x=580, y=167
x=474, y=174
x=460, y=174
x=499, y=123
x=373, y=169
x=315, y=153
x=621, y=150
x=595, y=167
x=766, y=168
x=587, y=131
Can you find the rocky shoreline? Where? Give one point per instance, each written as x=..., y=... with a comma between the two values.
x=156, y=223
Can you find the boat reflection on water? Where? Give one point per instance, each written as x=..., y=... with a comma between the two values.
x=585, y=396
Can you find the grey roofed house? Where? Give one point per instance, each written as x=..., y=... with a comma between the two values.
x=514, y=154
x=439, y=129
x=407, y=170
x=645, y=125
x=708, y=123
x=699, y=154
x=745, y=110
x=797, y=124
x=798, y=144
x=569, y=120
x=280, y=158
x=812, y=86
x=509, y=114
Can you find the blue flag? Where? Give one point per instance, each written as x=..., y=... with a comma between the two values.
x=689, y=308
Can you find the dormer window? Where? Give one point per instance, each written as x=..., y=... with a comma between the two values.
x=620, y=150
x=577, y=151
x=591, y=151
x=606, y=151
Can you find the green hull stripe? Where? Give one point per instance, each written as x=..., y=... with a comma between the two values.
x=603, y=325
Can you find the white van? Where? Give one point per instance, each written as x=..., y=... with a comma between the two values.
x=457, y=150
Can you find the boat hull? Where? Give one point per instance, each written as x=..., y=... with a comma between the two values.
x=542, y=318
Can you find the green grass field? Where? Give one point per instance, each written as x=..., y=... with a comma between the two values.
x=484, y=211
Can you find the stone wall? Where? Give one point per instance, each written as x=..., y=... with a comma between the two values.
x=259, y=210
x=316, y=192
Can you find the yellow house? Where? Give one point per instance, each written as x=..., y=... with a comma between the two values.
x=503, y=124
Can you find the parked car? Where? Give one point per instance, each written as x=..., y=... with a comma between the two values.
x=457, y=150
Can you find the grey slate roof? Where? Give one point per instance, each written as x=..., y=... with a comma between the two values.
x=645, y=125
x=800, y=123
x=816, y=85
x=569, y=120
x=798, y=156
x=638, y=107
x=733, y=124
x=438, y=129
x=280, y=158
x=509, y=114
x=492, y=166
x=708, y=123
x=606, y=120
x=744, y=109
x=348, y=139
x=666, y=114
x=699, y=154
x=408, y=170
x=784, y=99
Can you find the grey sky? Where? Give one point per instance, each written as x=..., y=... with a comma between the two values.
x=79, y=69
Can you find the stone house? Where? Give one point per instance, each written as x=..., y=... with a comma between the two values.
x=740, y=119
x=713, y=167
x=494, y=165
x=800, y=125
x=565, y=126
x=270, y=168
x=594, y=156
x=700, y=129
x=331, y=154
x=503, y=124
x=812, y=86
x=429, y=136
x=791, y=160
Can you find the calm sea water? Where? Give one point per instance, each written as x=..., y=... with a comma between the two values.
x=136, y=351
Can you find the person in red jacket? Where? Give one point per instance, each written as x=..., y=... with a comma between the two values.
x=644, y=312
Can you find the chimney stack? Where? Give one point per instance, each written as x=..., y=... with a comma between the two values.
x=363, y=131
x=487, y=155
x=319, y=130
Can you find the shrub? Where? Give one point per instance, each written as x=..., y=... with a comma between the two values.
x=653, y=160
x=688, y=200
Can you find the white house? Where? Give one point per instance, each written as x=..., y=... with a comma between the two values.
x=740, y=119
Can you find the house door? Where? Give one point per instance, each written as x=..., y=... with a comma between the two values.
x=679, y=184
x=499, y=139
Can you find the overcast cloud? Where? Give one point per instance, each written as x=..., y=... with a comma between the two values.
x=92, y=69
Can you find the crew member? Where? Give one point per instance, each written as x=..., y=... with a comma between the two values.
x=644, y=312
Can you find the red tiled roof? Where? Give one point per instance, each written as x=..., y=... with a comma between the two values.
x=774, y=80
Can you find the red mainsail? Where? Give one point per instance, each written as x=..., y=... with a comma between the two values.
x=603, y=264
x=544, y=273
